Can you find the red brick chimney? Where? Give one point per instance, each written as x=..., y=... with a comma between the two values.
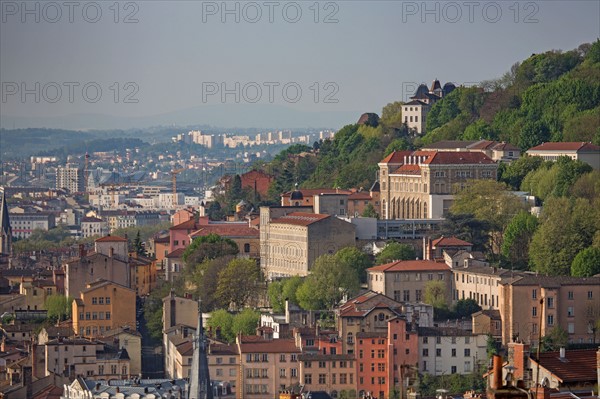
x=518, y=353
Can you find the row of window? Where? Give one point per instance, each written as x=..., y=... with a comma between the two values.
x=345, y=378
x=438, y=352
x=323, y=364
x=95, y=316
x=550, y=300
x=100, y=300
x=264, y=357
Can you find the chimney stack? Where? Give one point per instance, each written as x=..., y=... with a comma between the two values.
x=497, y=369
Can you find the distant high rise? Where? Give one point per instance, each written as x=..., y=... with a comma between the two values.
x=200, y=387
x=70, y=178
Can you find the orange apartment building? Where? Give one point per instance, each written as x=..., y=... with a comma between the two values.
x=101, y=307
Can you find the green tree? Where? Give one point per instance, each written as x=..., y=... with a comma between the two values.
x=153, y=310
x=533, y=133
x=205, y=280
x=275, y=294
x=58, y=307
x=329, y=281
x=207, y=247
x=586, y=263
x=391, y=114
x=556, y=339
x=245, y=322
x=466, y=307
x=356, y=259
x=370, y=212
x=435, y=294
x=138, y=246
x=517, y=170
x=239, y=283
x=290, y=288
x=222, y=321
x=491, y=202
x=395, y=251
x=491, y=346
x=517, y=238
x=466, y=227
x=567, y=227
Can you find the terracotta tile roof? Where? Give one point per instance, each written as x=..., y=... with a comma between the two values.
x=300, y=218
x=249, y=344
x=227, y=230
x=396, y=157
x=186, y=348
x=187, y=225
x=178, y=253
x=408, y=169
x=111, y=239
x=505, y=147
x=411, y=266
x=222, y=349
x=578, y=146
x=553, y=281
x=577, y=365
x=450, y=242
x=459, y=157
x=359, y=306
x=164, y=239
x=482, y=144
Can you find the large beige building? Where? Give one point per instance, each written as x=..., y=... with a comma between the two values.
x=291, y=241
x=532, y=303
x=83, y=357
x=585, y=152
x=498, y=151
x=406, y=281
x=266, y=366
x=422, y=184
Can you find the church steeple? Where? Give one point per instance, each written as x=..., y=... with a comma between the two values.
x=200, y=386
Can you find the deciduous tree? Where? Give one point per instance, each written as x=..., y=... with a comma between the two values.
x=395, y=251
x=239, y=283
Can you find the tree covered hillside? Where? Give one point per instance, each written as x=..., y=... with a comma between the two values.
x=553, y=96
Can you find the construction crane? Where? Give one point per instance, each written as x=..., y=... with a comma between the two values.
x=86, y=174
x=174, y=174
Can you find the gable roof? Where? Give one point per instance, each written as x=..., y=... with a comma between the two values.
x=450, y=242
x=411, y=266
x=257, y=344
x=576, y=366
x=396, y=157
x=110, y=238
x=227, y=230
x=578, y=146
x=458, y=157
x=300, y=218
x=178, y=253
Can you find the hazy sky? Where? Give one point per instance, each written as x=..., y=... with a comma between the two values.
x=176, y=55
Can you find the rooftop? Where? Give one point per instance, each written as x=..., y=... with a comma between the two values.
x=578, y=146
x=300, y=218
x=411, y=266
